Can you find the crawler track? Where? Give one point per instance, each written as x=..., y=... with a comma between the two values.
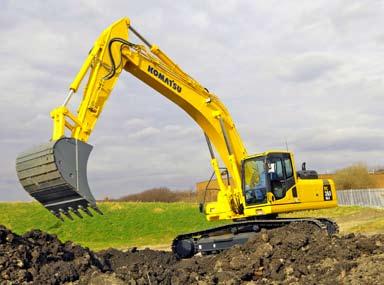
x=224, y=237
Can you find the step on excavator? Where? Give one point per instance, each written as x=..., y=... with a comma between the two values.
x=261, y=186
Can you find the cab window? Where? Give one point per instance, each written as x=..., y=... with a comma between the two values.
x=288, y=167
x=276, y=168
x=254, y=180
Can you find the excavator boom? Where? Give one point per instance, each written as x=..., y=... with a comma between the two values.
x=55, y=173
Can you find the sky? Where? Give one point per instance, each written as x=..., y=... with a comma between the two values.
x=302, y=74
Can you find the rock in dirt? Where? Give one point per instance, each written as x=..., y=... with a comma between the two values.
x=294, y=254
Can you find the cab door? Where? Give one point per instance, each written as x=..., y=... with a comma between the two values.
x=281, y=178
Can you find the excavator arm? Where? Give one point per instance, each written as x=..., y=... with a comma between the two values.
x=55, y=173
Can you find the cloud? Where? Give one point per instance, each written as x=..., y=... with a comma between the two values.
x=308, y=73
x=307, y=67
x=144, y=133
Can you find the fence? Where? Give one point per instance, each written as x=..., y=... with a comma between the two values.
x=361, y=197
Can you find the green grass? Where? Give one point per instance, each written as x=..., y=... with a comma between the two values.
x=127, y=224
x=124, y=224
x=330, y=213
x=350, y=219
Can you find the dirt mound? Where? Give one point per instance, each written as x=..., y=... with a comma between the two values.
x=41, y=258
x=295, y=254
x=141, y=266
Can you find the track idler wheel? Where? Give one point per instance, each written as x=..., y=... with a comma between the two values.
x=183, y=248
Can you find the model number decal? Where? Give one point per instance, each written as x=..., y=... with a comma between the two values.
x=327, y=192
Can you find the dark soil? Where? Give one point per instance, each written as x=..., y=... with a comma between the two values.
x=295, y=254
x=41, y=258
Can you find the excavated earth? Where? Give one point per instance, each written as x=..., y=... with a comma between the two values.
x=294, y=254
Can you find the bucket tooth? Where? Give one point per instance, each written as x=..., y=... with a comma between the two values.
x=85, y=209
x=76, y=212
x=65, y=213
x=57, y=215
x=96, y=209
x=68, y=215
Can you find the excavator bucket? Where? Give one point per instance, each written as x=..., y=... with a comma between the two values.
x=55, y=174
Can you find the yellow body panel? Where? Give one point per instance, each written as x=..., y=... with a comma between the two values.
x=111, y=54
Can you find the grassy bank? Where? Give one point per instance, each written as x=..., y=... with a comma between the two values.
x=123, y=224
x=350, y=219
x=127, y=224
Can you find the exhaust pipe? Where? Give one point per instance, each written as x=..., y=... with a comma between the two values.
x=55, y=174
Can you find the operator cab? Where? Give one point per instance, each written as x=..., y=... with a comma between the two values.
x=272, y=172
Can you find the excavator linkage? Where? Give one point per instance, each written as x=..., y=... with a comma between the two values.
x=55, y=174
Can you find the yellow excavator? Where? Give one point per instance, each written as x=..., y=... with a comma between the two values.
x=260, y=187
